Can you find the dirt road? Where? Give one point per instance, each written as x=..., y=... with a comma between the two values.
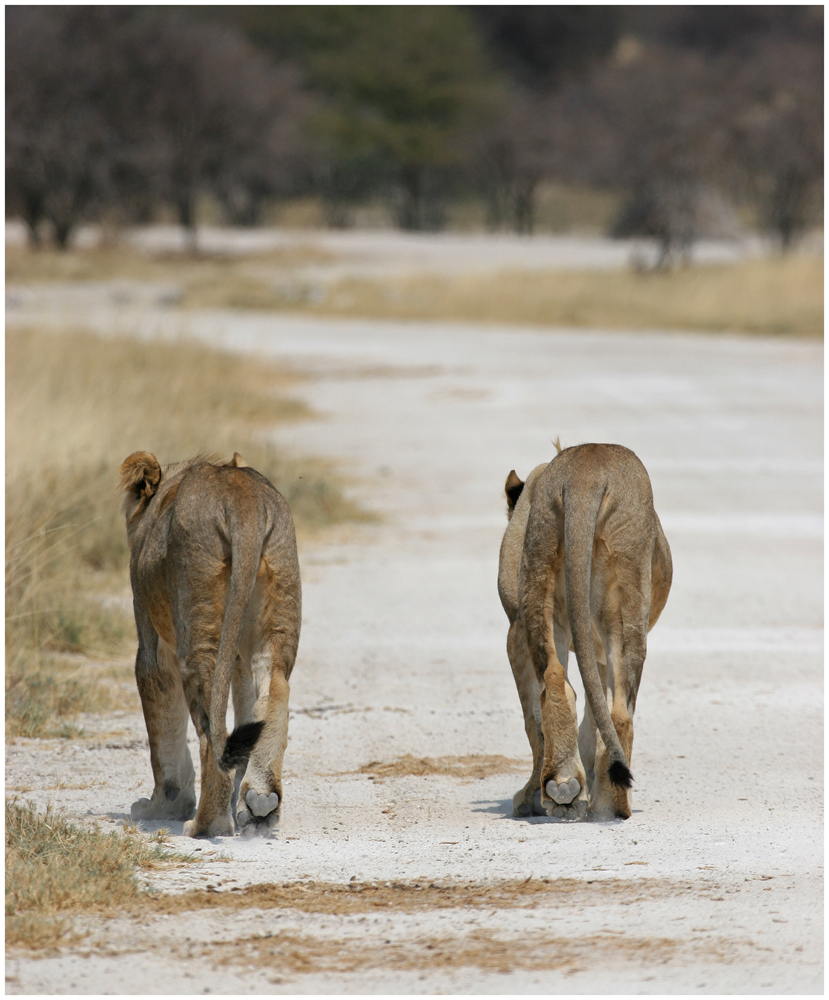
x=406, y=740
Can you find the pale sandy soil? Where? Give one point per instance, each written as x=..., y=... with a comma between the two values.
x=716, y=882
x=361, y=253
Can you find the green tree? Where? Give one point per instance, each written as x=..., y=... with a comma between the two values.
x=402, y=83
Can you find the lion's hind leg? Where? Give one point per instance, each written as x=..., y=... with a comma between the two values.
x=166, y=716
x=213, y=818
x=260, y=794
x=269, y=645
x=528, y=800
x=563, y=780
x=256, y=807
x=588, y=731
x=626, y=657
x=244, y=700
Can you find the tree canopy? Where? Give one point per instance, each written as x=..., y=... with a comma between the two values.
x=123, y=108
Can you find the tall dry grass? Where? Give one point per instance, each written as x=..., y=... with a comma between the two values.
x=777, y=295
x=119, y=260
x=774, y=295
x=76, y=406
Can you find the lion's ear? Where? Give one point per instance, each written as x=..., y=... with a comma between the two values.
x=140, y=475
x=237, y=461
x=513, y=488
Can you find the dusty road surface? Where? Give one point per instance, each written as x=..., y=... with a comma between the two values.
x=398, y=865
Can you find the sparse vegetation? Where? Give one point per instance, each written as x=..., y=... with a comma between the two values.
x=76, y=406
x=106, y=261
x=778, y=295
x=54, y=869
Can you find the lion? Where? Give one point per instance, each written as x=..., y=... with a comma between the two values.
x=584, y=566
x=217, y=602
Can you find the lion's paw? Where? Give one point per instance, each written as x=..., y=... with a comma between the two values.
x=142, y=809
x=179, y=808
x=573, y=812
x=221, y=827
x=259, y=815
x=261, y=805
x=260, y=827
x=528, y=805
x=563, y=793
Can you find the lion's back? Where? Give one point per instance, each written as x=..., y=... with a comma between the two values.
x=238, y=498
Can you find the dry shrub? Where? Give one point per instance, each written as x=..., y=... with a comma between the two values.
x=54, y=868
x=76, y=406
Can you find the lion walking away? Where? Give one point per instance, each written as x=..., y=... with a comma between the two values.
x=217, y=601
x=584, y=566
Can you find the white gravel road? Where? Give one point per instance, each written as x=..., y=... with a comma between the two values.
x=715, y=885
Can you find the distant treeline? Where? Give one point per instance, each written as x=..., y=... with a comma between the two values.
x=115, y=111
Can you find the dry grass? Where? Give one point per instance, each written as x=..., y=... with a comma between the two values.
x=466, y=768
x=76, y=406
x=45, y=700
x=120, y=261
x=780, y=295
x=349, y=898
x=110, y=888
x=483, y=950
x=560, y=208
x=220, y=281
x=54, y=869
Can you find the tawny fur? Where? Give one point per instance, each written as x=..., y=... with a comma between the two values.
x=585, y=566
x=217, y=601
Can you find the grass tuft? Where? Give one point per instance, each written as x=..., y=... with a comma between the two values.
x=54, y=869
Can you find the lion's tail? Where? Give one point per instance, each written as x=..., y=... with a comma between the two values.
x=580, y=515
x=231, y=751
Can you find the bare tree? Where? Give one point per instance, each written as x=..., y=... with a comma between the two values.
x=777, y=135
x=657, y=126
x=59, y=143
x=212, y=115
x=532, y=136
x=134, y=106
x=742, y=111
x=268, y=153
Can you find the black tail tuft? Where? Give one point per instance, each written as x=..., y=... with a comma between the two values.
x=240, y=745
x=619, y=775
